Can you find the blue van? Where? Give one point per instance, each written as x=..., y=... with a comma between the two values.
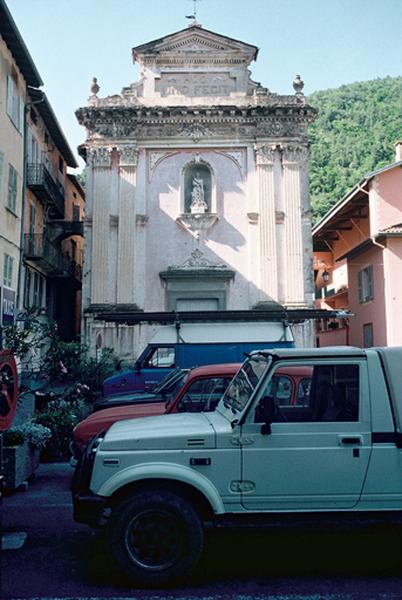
x=196, y=344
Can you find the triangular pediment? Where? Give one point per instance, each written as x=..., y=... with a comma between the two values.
x=193, y=40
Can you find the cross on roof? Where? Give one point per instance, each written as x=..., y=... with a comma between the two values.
x=194, y=15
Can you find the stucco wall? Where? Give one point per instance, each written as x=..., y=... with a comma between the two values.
x=373, y=311
x=170, y=244
x=386, y=200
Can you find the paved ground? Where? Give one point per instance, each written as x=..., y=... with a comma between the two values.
x=53, y=557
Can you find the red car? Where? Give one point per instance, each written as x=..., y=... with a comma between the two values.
x=201, y=392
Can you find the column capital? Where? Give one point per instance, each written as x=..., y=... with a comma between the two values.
x=294, y=153
x=265, y=154
x=100, y=156
x=127, y=155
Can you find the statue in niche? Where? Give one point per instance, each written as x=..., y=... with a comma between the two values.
x=198, y=204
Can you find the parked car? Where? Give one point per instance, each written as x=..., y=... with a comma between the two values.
x=201, y=389
x=196, y=344
x=164, y=391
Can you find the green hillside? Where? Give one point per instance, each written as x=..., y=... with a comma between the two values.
x=354, y=133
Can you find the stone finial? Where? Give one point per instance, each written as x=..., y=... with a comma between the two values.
x=94, y=86
x=298, y=84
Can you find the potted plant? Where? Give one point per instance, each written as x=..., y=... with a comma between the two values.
x=21, y=447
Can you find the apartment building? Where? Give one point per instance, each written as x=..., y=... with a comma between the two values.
x=17, y=72
x=41, y=205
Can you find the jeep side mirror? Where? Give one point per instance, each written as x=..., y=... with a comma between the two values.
x=137, y=366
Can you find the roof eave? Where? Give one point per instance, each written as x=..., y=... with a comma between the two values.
x=13, y=39
x=45, y=110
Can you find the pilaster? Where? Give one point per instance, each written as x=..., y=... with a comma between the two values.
x=265, y=159
x=127, y=225
x=292, y=157
x=99, y=162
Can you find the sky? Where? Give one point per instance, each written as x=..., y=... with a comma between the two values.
x=327, y=42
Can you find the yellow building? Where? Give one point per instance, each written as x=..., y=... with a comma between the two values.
x=41, y=205
x=17, y=71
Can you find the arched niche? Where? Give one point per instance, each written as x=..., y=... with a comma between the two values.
x=197, y=188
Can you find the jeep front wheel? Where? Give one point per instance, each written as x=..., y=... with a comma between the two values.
x=155, y=537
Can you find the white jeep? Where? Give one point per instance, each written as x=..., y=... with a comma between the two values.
x=266, y=451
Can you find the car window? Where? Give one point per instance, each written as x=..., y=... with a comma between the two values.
x=203, y=394
x=330, y=394
x=161, y=357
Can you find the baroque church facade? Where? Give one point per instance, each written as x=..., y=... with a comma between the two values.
x=197, y=191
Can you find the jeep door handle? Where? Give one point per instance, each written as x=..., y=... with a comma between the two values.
x=353, y=440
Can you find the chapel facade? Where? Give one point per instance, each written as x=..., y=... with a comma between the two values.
x=197, y=190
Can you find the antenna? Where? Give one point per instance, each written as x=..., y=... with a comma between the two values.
x=194, y=15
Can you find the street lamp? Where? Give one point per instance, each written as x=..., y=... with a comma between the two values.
x=325, y=276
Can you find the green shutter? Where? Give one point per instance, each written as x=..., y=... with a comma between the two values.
x=360, y=286
x=370, y=283
x=10, y=97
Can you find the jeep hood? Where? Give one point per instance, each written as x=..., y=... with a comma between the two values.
x=166, y=432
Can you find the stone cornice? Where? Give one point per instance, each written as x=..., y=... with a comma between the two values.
x=196, y=123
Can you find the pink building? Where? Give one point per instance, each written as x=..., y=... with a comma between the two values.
x=358, y=261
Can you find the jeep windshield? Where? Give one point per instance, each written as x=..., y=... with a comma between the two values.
x=244, y=383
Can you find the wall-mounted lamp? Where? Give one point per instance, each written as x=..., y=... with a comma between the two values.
x=325, y=276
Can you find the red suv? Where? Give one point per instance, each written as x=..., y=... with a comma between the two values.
x=201, y=392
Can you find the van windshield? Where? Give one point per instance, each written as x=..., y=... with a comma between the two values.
x=244, y=383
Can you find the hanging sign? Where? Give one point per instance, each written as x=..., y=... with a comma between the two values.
x=8, y=306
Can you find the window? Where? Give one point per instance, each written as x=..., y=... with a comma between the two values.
x=15, y=105
x=12, y=189
x=161, y=357
x=330, y=393
x=32, y=218
x=368, y=335
x=197, y=304
x=8, y=270
x=33, y=148
x=203, y=394
x=34, y=289
x=76, y=212
x=365, y=281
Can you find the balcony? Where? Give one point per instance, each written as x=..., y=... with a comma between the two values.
x=71, y=269
x=45, y=188
x=39, y=251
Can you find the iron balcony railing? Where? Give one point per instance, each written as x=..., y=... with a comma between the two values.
x=42, y=183
x=72, y=268
x=38, y=248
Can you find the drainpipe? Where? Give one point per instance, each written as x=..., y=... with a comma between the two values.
x=24, y=189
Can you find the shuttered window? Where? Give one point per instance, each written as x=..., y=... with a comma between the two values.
x=12, y=189
x=8, y=270
x=366, y=284
x=15, y=105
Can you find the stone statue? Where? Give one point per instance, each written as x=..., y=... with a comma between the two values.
x=198, y=204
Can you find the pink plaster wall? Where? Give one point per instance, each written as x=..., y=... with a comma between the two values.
x=373, y=311
x=393, y=260
x=387, y=191
x=169, y=244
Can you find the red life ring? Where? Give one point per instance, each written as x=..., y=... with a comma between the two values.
x=8, y=389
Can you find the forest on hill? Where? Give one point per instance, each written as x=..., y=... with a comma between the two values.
x=353, y=134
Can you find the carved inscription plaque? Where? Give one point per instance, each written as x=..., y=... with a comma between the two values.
x=189, y=84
